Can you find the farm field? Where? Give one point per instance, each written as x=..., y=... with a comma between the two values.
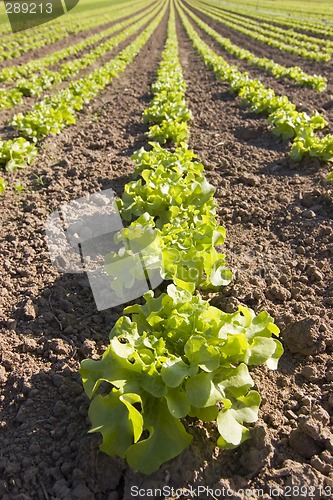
x=250, y=93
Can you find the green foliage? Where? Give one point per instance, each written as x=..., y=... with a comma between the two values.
x=18, y=186
x=9, y=98
x=289, y=41
x=12, y=46
x=171, y=186
x=282, y=114
x=57, y=111
x=36, y=84
x=177, y=356
x=173, y=198
x=16, y=153
x=294, y=73
x=3, y=185
x=15, y=72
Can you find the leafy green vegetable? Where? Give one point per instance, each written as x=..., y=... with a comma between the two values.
x=294, y=73
x=175, y=356
x=172, y=199
x=57, y=111
x=36, y=84
x=288, y=41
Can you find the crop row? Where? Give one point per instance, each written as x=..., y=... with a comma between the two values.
x=12, y=48
x=15, y=72
x=282, y=42
x=36, y=84
x=307, y=41
x=297, y=24
x=15, y=49
x=168, y=113
x=294, y=73
x=43, y=28
x=176, y=356
x=282, y=114
x=56, y=112
x=68, y=21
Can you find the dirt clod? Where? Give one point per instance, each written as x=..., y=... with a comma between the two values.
x=304, y=337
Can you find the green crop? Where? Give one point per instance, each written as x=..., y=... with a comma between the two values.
x=3, y=185
x=277, y=70
x=16, y=153
x=177, y=357
x=167, y=113
x=36, y=84
x=286, y=40
x=16, y=71
x=282, y=114
x=57, y=111
x=173, y=197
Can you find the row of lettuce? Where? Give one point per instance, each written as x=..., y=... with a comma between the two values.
x=279, y=18
x=15, y=72
x=176, y=356
x=36, y=84
x=55, y=112
x=13, y=46
x=284, y=41
x=282, y=115
x=70, y=22
x=290, y=36
x=294, y=73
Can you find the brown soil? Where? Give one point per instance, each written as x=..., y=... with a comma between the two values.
x=278, y=217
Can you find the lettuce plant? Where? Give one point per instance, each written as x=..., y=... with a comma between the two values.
x=294, y=73
x=172, y=197
x=177, y=357
x=16, y=71
x=3, y=185
x=16, y=153
x=288, y=41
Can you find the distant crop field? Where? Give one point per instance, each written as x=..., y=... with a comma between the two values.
x=166, y=234
x=322, y=9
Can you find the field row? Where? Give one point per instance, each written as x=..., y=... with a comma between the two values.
x=287, y=41
x=175, y=355
x=58, y=110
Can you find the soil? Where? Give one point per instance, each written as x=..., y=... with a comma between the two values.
x=278, y=216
